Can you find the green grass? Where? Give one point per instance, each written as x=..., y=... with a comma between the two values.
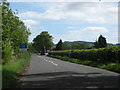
x=115, y=67
x=12, y=69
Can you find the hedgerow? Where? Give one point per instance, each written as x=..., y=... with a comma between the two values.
x=108, y=54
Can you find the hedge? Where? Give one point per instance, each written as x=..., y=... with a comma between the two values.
x=108, y=54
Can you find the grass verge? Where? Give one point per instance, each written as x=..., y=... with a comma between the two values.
x=115, y=67
x=12, y=69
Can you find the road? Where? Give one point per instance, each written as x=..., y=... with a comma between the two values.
x=46, y=72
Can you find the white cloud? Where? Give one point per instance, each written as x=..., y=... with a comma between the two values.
x=98, y=20
x=95, y=29
x=30, y=14
x=85, y=34
x=35, y=31
x=90, y=12
x=63, y=1
x=30, y=22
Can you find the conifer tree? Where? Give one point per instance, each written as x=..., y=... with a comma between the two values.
x=59, y=45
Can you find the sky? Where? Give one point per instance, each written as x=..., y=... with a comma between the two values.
x=70, y=21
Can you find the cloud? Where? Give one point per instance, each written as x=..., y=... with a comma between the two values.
x=35, y=31
x=90, y=12
x=63, y=1
x=85, y=34
x=97, y=20
x=95, y=29
x=29, y=23
x=30, y=14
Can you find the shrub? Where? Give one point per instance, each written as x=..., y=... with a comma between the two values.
x=7, y=51
x=108, y=54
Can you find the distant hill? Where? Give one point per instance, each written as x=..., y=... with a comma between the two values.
x=90, y=43
x=118, y=44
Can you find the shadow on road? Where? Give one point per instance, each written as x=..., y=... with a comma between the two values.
x=69, y=79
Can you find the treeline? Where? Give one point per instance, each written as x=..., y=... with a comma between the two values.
x=100, y=43
x=99, y=51
x=13, y=33
x=71, y=45
x=43, y=42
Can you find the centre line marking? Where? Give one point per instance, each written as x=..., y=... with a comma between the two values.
x=51, y=62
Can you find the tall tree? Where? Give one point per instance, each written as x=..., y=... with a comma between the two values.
x=101, y=42
x=43, y=42
x=59, y=45
x=13, y=31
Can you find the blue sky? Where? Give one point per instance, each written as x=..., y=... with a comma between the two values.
x=70, y=21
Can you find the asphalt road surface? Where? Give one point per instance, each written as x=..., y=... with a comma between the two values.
x=46, y=72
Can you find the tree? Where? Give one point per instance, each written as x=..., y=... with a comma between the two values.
x=13, y=31
x=96, y=44
x=101, y=42
x=59, y=45
x=43, y=42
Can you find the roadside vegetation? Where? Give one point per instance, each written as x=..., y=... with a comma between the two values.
x=108, y=54
x=99, y=55
x=115, y=67
x=13, y=32
x=11, y=70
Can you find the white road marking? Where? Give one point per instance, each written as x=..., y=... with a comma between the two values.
x=55, y=64
x=49, y=61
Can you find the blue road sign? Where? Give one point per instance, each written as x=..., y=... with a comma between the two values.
x=23, y=45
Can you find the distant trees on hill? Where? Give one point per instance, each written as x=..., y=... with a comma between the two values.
x=69, y=46
x=100, y=43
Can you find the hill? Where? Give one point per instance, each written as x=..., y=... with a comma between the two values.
x=86, y=42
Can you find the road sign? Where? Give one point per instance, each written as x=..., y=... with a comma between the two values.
x=23, y=45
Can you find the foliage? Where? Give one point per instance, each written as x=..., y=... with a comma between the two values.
x=7, y=51
x=43, y=42
x=12, y=69
x=108, y=54
x=101, y=42
x=77, y=45
x=66, y=46
x=30, y=48
x=59, y=45
x=14, y=32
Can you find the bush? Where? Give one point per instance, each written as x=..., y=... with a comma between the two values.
x=7, y=51
x=108, y=54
